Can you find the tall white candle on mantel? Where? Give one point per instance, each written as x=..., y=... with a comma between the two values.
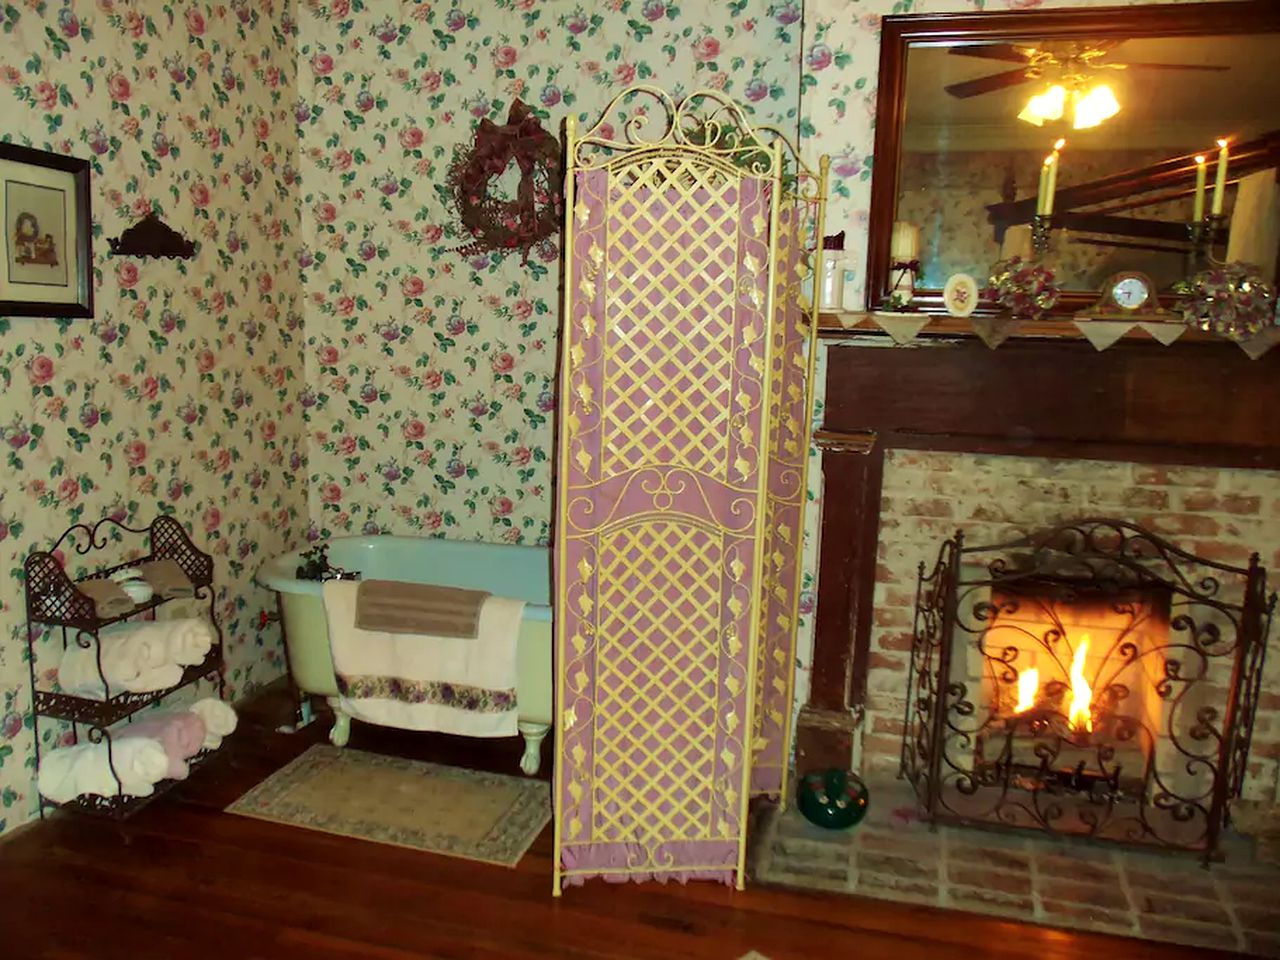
x=1044, y=183
x=1220, y=184
x=1052, y=187
x=904, y=247
x=1202, y=173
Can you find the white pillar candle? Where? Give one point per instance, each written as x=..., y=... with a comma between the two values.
x=905, y=245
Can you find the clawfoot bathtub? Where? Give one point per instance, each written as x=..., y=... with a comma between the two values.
x=519, y=572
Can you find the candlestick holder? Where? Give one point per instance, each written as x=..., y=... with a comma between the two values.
x=1201, y=234
x=904, y=273
x=1041, y=230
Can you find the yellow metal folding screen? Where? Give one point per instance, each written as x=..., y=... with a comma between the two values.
x=685, y=397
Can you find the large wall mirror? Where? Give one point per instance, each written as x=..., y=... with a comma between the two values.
x=1134, y=99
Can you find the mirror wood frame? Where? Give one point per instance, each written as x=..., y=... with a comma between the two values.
x=968, y=29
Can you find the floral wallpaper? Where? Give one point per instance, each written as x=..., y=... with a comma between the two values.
x=429, y=387
x=180, y=395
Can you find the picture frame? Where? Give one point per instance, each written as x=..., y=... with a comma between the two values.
x=46, y=228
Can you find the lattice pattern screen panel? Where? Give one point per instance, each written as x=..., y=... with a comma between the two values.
x=784, y=502
x=661, y=511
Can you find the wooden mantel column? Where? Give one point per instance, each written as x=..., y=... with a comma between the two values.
x=852, y=466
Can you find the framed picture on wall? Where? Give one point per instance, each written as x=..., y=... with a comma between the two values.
x=45, y=257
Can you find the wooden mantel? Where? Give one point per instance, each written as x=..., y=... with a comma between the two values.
x=1196, y=403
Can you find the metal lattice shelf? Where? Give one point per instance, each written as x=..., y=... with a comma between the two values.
x=52, y=600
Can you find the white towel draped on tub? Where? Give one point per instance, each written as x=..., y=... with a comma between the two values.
x=456, y=685
x=65, y=774
x=139, y=658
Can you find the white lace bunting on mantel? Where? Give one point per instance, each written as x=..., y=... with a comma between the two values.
x=1164, y=333
x=1258, y=345
x=994, y=331
x=901, y=327
x=1103, y=333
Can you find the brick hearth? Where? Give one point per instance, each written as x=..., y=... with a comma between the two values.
x=893, y=856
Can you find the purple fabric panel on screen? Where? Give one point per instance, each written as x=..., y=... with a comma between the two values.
x=658, y=550
x=783, y=533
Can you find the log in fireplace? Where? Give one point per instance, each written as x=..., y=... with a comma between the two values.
x=1092, y=679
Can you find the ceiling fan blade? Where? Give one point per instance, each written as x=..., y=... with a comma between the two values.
x=1165, y=66
x=992, y=51
x=988, y=84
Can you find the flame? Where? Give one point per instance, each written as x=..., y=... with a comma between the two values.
x=1028, y=686
x=1079, y=715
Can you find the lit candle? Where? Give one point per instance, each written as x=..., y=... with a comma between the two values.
x=1201, y=175
x=1044, y=183
x=1046, y=192
x=1220, y=184
x=1052, y=187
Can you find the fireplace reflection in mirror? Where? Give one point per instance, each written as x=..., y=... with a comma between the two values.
x=1091, y=680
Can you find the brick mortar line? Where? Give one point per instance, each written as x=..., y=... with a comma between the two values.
x=1118, y=860
x=1228, y=904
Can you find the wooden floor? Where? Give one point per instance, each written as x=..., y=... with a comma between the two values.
x=183, y=880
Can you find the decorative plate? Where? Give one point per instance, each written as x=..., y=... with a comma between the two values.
x=960, y=295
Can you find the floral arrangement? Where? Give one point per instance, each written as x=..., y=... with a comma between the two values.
x=1231, y=300
x=1028, y=290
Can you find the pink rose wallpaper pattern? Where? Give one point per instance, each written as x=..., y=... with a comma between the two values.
x=180, y=396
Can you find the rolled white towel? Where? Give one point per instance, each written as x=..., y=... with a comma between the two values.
x=189, y=640
x=139, y=763
x=219, y=720
x=78, y=672
x=138, y=658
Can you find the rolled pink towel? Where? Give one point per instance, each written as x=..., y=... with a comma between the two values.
x=181, y=735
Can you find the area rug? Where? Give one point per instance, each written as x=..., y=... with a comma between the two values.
x=425, y=806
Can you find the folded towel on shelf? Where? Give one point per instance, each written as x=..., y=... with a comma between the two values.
x=219, y=720
x=189, y=639
x=109, y=600
x=421, y=608
x=181, y=734
x=168, y=579
x=139, y=658
x=139, y=765
x=424, y=682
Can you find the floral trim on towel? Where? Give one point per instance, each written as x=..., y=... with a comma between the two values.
x=457, y=695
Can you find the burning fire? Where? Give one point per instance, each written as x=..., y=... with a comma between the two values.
x=1028, y=686
x=1079, y=715
x=1079, y=712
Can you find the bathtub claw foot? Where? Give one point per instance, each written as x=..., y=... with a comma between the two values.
x=534, y=734
x=340, y=732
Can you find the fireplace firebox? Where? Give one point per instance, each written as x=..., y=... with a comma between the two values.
x=1093, y=679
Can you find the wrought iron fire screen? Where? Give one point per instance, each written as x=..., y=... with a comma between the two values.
x=1094, y=680
x=685, y=396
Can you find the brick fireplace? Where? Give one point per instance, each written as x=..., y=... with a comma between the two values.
x=919, y=444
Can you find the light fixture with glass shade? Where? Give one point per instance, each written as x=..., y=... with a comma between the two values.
x=1094, y=107
x=1045, y=106
x=1088, y=108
